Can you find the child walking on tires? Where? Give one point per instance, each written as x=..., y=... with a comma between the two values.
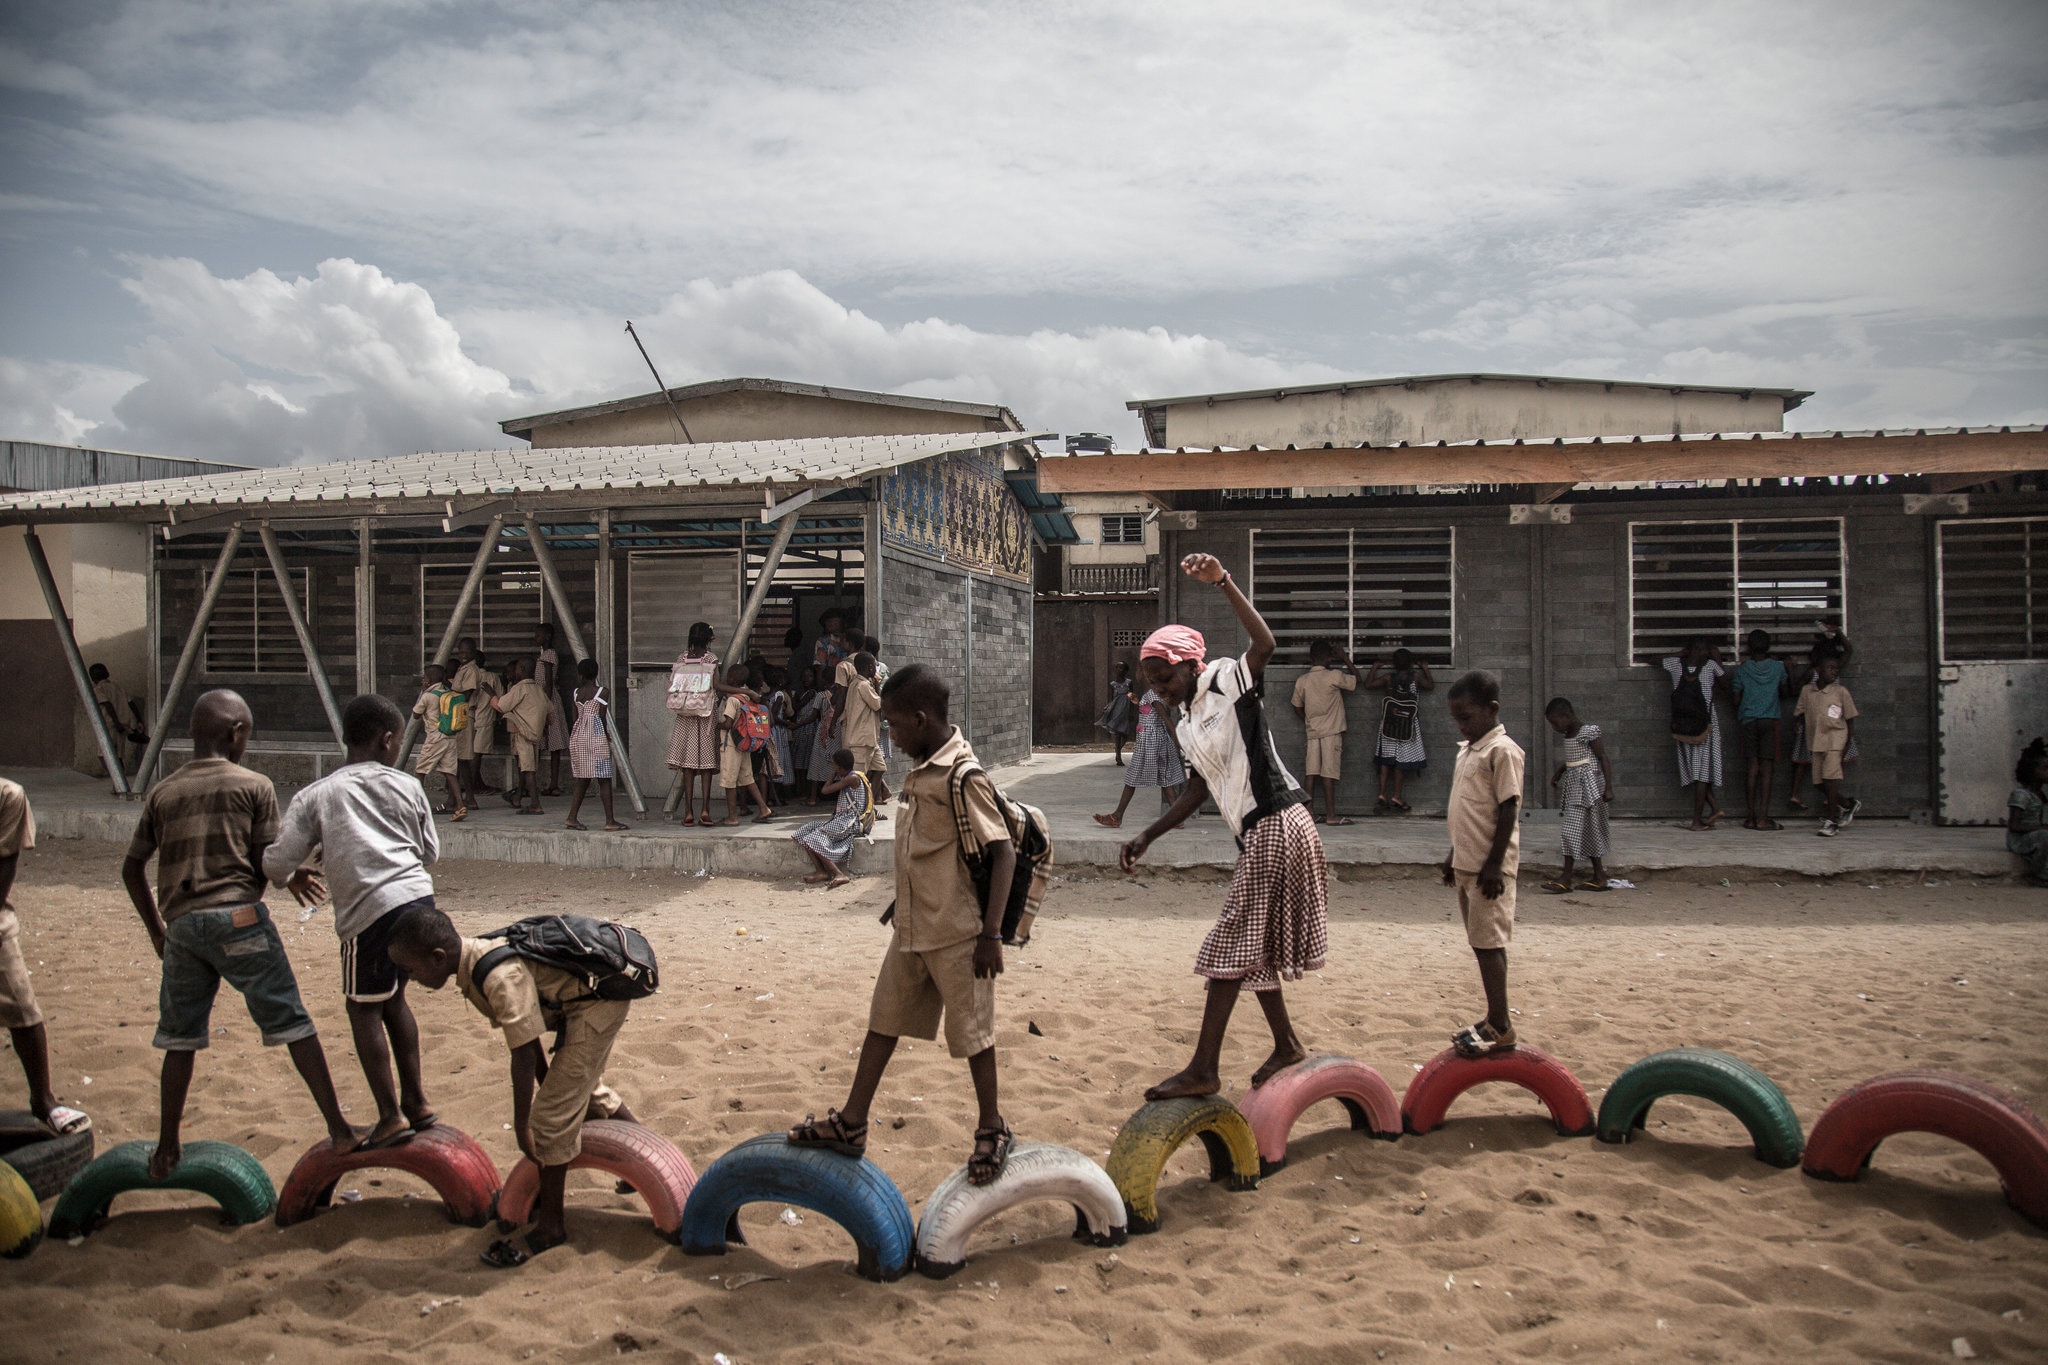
x=1275, y=920
x=947, y=949
x=1486, y=850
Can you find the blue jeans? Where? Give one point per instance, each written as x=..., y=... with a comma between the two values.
x=204, y=947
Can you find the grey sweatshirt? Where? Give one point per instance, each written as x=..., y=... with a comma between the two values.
x=376, y=838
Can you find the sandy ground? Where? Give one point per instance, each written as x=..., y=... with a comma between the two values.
x=1493, y=1236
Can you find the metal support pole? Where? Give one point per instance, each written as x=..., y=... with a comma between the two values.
x=187, y=657
x=759, y=596
x=366, y=611
x=296, y=614
x=454, y=630
x=622, y=762
x=69, y=640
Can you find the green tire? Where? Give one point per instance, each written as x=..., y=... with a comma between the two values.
x=21, y=1217
x=221, y=1171
x=1716, y=1077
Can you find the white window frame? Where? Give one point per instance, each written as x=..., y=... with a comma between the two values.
x=1735, y=525
x=1941, y=582
x=257, y=577
x=1351, y=534
x=1123, y=521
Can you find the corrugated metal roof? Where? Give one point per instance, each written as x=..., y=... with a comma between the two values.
x=473, y=473
x=36, y=465
x=522, y=426
x=1813, y=436
x=1793, y=397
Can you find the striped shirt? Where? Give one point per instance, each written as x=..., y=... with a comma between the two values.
x=207, y=824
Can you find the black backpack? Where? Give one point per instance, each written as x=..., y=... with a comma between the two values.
x=1691, y=713
x=615, y=962
x=1029, y=833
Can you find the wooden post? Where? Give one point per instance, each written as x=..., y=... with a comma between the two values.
x=146, y=774
x=297, y=616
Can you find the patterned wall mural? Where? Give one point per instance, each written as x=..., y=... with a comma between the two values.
x=958, y=508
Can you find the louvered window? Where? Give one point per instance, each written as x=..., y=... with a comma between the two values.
x=1994, y=589
x=1371, y=591
x=1723, y=579
x=502, y=617
x=250, y=631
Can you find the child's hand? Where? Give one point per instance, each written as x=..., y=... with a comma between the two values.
x=306, y=887
x=1133, y=849
x=1608, y=795
x=156, y=940
x=1557, y=776
x=1207, y=568
x=526, y=1148
x=988, y=957
x=1491, y=883
x=1450, y=874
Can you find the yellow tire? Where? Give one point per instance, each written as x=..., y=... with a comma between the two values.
x=21, y=1217
x=1150, y=1137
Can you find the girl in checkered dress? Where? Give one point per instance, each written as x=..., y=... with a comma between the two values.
x=590, y=747
x=1275, y=920
x=1585, y=788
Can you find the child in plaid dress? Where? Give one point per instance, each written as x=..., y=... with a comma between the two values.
x=1275, y=921
x=1585, y=787
x=590, y=749
x=1155, y=760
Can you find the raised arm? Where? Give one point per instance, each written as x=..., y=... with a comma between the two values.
x=1209, y=569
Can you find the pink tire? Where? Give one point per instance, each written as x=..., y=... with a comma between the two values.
x=643, y=1158
x=1448, y=1076
x=444, y=1156
x=1273, y=1108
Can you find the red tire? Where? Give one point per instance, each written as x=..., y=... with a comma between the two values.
x=643, y=1158
x=447, y=1158
x=1448, y=1076
x=1273, y=1108
x=1982, y=1117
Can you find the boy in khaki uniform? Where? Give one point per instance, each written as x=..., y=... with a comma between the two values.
x=947, y=949
x=1486, y=850
x=1319, y=701
x=526, y=709
x=437, y=751
x=551, y=1096
x=1830, y=715
x=469, y=680
x=736, y=765
x=19, y=1012
x=861, y=735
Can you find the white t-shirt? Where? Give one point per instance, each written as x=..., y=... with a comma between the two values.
x=1224, y=735
x=376, y=839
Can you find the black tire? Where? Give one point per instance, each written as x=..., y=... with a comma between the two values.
x=46, y=1163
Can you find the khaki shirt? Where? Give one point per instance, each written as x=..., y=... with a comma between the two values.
x=936, y=904
x=1489, y=771
x=17, y=822
x=515, y=997
x=863, y=725
x=526, y=710
x=1827, y=712
x=1320, y=695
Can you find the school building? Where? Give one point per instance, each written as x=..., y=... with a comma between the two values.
x=300, y=585
x=1570, y=534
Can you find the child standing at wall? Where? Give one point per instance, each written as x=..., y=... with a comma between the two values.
x=525, y=709
x=947, y=948
x=861, y=731
x=590, y=748
x=1585, y=788
x=2026, y=812
x=1760, y=684
x=736, y=765
x=1486, y=852
x=437, y=750
x=693, y=740
x=375, y=837
x=1319, y=701
x=207, y=825
x=1830, y=715
x=1397, y=747
x=1155, y=759
x=1116, y=720
x=547, y=676
x=468, y=680
x=1830, y=641
x=19, y=1013
x=1696, y=726
x=1275, y=920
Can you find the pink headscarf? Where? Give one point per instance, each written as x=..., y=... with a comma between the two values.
x=1175, y=644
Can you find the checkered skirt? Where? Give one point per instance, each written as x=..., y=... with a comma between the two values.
x=1275, y=923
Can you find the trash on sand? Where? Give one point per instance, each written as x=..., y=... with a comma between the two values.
x=1624, y=884
x=793, y=1218
x=745, y=1278
x=350, y=1196
x=1960, y=1348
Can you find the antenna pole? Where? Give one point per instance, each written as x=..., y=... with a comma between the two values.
x=673, y=410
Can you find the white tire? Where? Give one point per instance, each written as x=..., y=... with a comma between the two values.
x=1035, y=1170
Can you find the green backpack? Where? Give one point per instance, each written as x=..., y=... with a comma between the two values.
x=451, y=713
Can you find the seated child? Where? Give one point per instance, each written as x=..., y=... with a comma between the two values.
x=551, y=1097
x=210, y=821
x=736, y=765
x=18, y=1008
x=1486, y=852
x=2026, y=813
x=526, y=710
x=1585, y=788
x=830, y=842
x=375, y=838
x=437, y=751
x=947, y=949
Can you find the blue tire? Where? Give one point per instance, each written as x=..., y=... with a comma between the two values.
x=221, y=1171
x=856, y=1194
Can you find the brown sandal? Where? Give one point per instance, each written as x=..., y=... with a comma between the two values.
x=985, y=1168
x=835, y=1134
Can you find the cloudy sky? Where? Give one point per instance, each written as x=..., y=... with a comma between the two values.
x=284, y=230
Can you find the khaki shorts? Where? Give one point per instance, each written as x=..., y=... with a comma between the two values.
x=574, y=1087
x=913, y=989
x=867, y=758
x=1326, y=756
x=1827, y=765
x=528, y=753
x=18, y=1008
x=735, y=765
x=437, y=754
x=1488, y=924
x=465, y=743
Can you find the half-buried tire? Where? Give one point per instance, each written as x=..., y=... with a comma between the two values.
x=1272, y=1109
x=47, y=1163
x=1982, y=1117
x=1035, y=1170
x=1447, y=1076
x=221, y=1171
x=21, y=1215
x=852, y=1192
x=655, y=1167
x=447, y=1158
x=1152, y=1135
x=1717, y=1077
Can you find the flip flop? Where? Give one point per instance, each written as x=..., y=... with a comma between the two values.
x=459, y=813
x=1554, y=888
x=1767, y=826
x=65, y=1120
x=424, y=1122
x=1341, y=820
x=689, y=818
x=614, y=827
x=1592, y=886
x=574, y=824
x=388, y=1141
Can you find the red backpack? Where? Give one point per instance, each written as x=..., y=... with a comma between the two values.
x=751, y=727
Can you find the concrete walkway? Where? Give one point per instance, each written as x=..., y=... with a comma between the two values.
x=1070, y=787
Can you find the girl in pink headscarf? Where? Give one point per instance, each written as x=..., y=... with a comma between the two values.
x=1275, y=920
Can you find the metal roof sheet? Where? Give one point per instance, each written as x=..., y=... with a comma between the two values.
x=521, y=426
x=1793, y=397
x=1814, y=436
x=471, y=473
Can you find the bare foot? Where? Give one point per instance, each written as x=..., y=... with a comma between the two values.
x=1109, y=821
x=817, y=879
x=841, y=880
x=165, y=1159
x=1282, y=1058
x=1189, y=1082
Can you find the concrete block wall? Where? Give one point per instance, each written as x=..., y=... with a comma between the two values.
x=925, y=619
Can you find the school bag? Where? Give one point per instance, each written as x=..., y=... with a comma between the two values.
x=751, y=727
x=451, y=712
x=1032, y=837
x=689, y=687
x=615, y=962
x=1692, y=714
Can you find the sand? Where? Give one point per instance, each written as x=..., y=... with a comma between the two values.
x=1493, y=1236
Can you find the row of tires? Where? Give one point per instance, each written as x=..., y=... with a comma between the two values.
x=1244, y=1143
